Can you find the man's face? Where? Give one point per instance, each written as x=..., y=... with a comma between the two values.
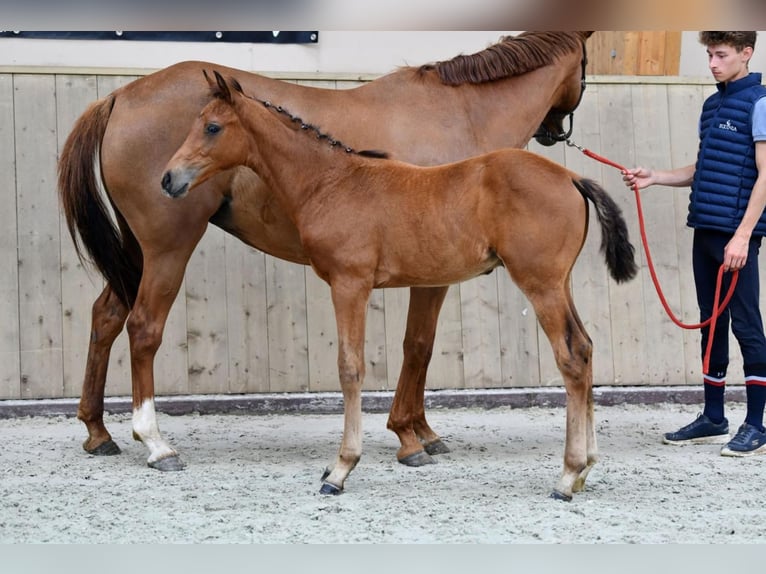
x=726, y=63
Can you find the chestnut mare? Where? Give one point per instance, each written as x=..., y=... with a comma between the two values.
x=368, y=223
x=437, y=113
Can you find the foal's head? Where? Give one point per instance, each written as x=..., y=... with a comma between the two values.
x=217, y=140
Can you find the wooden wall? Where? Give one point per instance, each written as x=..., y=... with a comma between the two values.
x=635, y=53
x=245, y=322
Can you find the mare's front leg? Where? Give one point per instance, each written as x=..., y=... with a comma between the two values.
x=159, y=286
x=407, y=417
x=350, y=301
x=108, y=317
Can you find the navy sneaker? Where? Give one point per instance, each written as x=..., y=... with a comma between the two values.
x=747, y=442
x=701, y=431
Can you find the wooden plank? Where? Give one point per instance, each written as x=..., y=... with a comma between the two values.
x=38, y=236
x=79, y=286
x=376, y=360
x=447, y=367
x=651, y=53
x=246, y=309
x=626, y=300
x=630, y=62
x=518, y=328
x=672, y=61
x=288, y=332
x=322, y=335
x=606, y=53
x=207, y=330
x=10, y=368
x=663, y=340
x=481, y=332
x=685, y=104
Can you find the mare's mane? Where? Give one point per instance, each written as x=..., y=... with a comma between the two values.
x=511, y=56
x=222, y=91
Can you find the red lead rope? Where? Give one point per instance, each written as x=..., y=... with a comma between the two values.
x=717, y=307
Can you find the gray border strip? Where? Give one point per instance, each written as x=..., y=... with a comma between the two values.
x=379, y=402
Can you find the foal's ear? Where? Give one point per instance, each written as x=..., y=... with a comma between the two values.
x=218, y=87
x=223, y=88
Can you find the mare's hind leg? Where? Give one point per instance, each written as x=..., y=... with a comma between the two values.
x=407, y=417
x=160, y=283
x=573, y=351
x=107, y=320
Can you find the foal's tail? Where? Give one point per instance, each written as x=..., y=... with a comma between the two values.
x=615, y=245
x=86, y=213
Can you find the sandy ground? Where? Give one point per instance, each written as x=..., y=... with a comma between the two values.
x=255, y=479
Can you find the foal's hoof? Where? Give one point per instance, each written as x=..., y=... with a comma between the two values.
x=420, y=458
x=168, y=464
x=328, y=488
x=556, y=495
x=108, y=448
x=436, y=447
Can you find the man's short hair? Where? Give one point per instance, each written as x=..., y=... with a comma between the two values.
x=738, y=40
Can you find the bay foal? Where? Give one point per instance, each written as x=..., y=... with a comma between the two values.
x=367, y=223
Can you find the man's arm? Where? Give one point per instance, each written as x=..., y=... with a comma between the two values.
x=735, y=253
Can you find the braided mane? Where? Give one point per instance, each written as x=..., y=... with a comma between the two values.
x=511, y=56
x=222, y=92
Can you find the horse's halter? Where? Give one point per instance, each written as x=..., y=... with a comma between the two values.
x=545, y=136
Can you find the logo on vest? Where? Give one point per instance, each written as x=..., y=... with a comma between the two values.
x=727, y=126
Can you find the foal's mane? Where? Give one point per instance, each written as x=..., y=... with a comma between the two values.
x=511, y=56
x=222, y=91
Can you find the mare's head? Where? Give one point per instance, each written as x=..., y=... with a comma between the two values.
x=216, y=142
x=559, y=55
x=553, y=128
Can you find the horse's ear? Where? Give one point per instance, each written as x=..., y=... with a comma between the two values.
x=223, y=87
x=215, y=89
x=236, y=85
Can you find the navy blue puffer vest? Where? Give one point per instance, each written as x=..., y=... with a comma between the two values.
x=726, y=172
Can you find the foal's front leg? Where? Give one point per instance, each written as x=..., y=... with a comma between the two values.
x=350, y=301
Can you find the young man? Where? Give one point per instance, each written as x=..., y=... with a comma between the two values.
x=726, y=211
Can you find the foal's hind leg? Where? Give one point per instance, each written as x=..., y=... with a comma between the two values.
x=407, y=417
x=592, y=446
x=573, y=351
x=107, y=320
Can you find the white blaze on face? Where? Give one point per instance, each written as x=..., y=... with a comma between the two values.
x=146, y=428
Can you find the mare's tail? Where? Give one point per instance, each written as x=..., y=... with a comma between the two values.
x=615, y=245
x=86, y=214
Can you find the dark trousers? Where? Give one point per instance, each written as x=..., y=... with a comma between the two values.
x=743, y=312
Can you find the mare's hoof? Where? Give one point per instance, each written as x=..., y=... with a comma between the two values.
x=436, y=447
x=168, y=464
x=328, y=488
x=325, y=474
x=108, y=448
x=556, y=495
x=420, y=458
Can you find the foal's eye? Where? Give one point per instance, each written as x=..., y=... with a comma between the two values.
x=212, y=129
